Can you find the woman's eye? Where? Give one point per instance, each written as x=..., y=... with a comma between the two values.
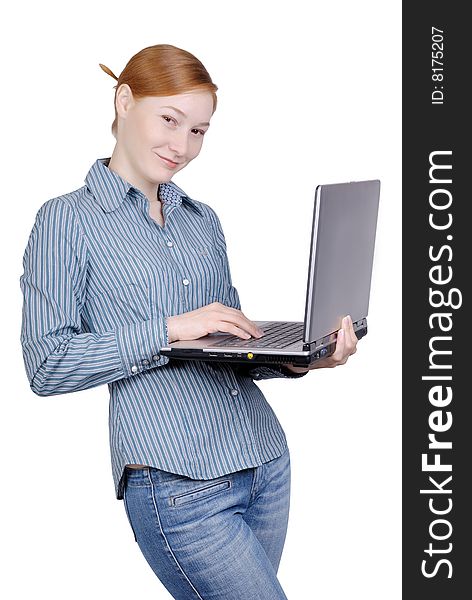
x=168, y=119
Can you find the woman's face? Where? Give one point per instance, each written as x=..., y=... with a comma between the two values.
x=160, y=135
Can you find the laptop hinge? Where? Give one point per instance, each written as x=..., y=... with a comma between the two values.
x=324, y=341
x=360, y=328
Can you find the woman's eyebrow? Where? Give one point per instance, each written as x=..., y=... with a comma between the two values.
x=182, y=113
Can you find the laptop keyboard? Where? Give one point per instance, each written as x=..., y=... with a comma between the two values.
x=277, y=334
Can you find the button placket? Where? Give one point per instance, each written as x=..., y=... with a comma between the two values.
x=233, y=383
x=224, y=373
x=228, y=380
x=177, y=259
x=185, y=293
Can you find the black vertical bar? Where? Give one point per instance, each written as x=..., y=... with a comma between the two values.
x=437, y=259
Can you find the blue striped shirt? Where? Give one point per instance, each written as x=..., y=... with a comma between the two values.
x=100, y=276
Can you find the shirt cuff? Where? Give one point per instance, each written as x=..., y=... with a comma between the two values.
x=288, y=373
x=261, y=372
x=139, y=345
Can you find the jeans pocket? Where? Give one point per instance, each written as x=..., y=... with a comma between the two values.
x=125, y=502
x=200, y=493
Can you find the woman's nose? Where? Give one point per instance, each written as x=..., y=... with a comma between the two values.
x=179, y=144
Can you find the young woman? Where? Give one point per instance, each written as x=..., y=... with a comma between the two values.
x=117, y=269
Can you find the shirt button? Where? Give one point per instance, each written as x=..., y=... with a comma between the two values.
x=185, y=281
x=134, y=369
x=155, y=357
x=169, y=243
x=234, y=392
x=144, y=361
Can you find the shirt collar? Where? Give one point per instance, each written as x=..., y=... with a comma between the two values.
x=110, y=190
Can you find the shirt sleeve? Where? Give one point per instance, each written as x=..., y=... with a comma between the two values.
x=255, y=372
x=59, y=356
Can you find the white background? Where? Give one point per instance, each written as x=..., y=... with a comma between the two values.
x=309, y=93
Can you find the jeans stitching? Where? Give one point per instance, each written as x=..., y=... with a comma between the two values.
x=216, y=488
x=127, y=513
x=166, y=541
x=253, y=484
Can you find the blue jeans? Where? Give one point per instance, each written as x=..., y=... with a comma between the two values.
x=218, y=539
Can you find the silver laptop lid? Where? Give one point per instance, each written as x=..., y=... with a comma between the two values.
x=341, y=258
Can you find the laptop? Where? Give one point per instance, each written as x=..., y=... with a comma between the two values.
x=339, y=279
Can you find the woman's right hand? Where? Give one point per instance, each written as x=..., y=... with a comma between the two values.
x=211, y=318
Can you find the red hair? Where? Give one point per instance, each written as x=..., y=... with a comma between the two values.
x=163, y=70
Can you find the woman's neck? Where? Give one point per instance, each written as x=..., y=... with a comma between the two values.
x=121, y=165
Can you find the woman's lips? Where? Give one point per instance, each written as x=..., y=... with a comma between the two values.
x=166, y=161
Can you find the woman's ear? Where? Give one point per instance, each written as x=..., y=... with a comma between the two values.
x=124, y=100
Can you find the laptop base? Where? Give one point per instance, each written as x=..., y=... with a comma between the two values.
x=306, y=357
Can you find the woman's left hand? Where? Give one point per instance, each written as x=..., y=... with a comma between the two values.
x=346, y=344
